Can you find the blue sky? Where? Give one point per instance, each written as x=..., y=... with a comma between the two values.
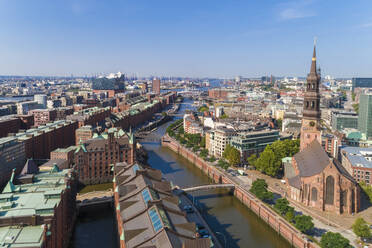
x=215, y=38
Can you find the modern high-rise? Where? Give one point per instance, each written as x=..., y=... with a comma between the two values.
x=365, y=115
x=361, y=83
x=41, y=99
x=156, y=86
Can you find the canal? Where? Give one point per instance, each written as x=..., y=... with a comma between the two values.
x=223, y=212
x=227, y=217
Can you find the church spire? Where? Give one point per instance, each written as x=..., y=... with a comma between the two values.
x=313, y=62
x=311, y=113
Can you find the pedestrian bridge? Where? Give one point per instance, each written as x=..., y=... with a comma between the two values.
x=209, y=186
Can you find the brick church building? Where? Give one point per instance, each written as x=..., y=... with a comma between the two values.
x=313, y=178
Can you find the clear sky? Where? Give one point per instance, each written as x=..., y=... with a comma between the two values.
x=215, y=38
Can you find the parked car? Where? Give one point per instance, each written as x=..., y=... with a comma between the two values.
x=188, y=209
x=199, y=227
x=204, y=233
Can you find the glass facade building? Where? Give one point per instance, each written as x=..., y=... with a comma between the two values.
x=365, y=115
x=341, y=120
x=361, y=83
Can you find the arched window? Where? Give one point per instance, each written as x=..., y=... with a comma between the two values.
x=307, y=104
x=314, y=194
x=330, y=189
x=312, y=104
x=343, y=199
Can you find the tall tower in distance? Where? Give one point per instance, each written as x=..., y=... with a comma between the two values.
x=156, y=86
x=310, y=128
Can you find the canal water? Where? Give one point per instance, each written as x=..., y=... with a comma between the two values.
x=228, y=218
x=226, y=215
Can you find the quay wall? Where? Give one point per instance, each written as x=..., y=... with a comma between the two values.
x=273, y=219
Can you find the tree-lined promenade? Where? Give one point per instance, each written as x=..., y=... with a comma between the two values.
x=282, y=149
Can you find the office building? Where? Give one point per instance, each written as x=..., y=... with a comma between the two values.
x=254, y=142
x=361, y=83
x=24, y=107
x=156, y=86
x=41, y=100
x=218, y=139
x=358, y=162
x=342, y=119
x=365, y=115
x=43, y=116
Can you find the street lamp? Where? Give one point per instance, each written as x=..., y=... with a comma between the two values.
x=224, y=238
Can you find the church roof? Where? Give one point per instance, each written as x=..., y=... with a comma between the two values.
x=312, y=160
x=342, y=170
x=295, y=182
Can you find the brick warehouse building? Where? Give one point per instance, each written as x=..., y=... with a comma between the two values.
x=11, y=124
x=314, y=179
x=40, y=209
x=95, y=157
x=39, y=142
x=91, y=116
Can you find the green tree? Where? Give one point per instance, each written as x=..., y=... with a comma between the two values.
x=204, y=153
x=282, y=205
x=334, y=240
x=304, y=223
x=367, y=189
x=252, y=160
x=353, y=96
x=232, y=155
x=356, y=107
x=202, y=142
x=171, y=133
x=181, y=130
x=266, y=162
x=361, y=228
x=224, y=116
x=279, y=123
x=259, y=189
x=270, y=160
x=212, y=159
x=290, y=214
x=203, y=109
x=223, y=164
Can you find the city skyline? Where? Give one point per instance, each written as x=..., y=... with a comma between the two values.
x=196, y=39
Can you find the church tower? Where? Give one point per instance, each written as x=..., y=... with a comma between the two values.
x=310, y=128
